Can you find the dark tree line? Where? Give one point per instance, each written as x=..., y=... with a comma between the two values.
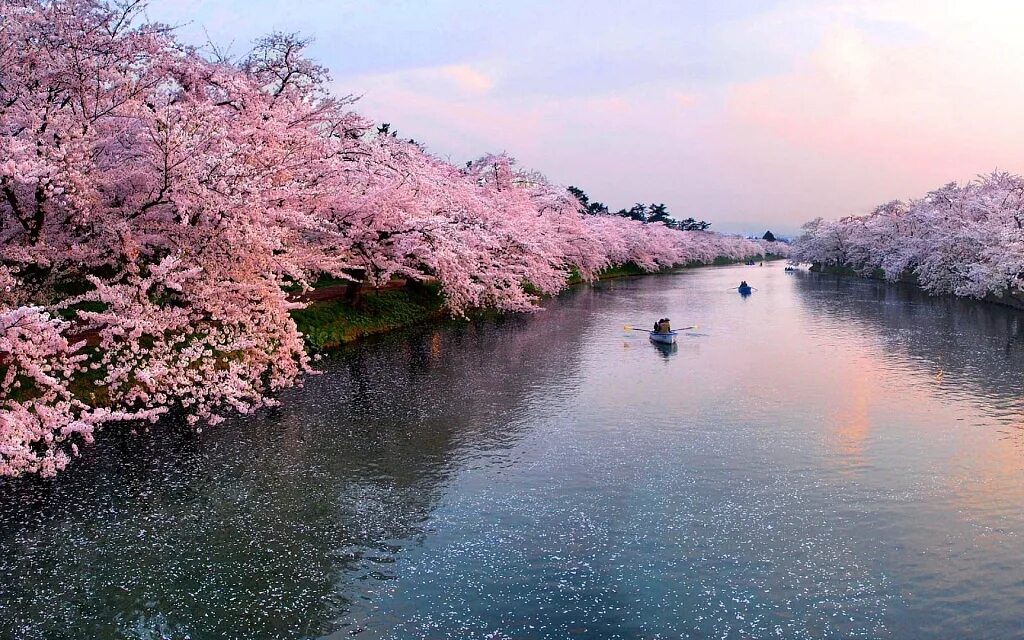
x=646, y=213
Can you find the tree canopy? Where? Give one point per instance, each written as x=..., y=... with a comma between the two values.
x=640, y=212
x=163, y=202
x=966, y=240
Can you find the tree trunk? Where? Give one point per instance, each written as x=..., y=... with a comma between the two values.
x=354, y=294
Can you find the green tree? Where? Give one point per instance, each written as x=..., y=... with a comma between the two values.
x=690, y=224
x=580, y=195
x=637, y=212
x=659, y=213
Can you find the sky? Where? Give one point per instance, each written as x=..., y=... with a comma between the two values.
x=752, y=114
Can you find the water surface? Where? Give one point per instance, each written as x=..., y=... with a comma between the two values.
x=825, y=458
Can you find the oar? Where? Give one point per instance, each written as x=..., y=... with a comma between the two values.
x=629, y=328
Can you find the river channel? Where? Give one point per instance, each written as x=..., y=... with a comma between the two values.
x=824, y=458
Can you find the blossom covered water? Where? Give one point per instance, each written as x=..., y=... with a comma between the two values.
x=825, y=458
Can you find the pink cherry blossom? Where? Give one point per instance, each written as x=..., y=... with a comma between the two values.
x=965, y=240
x=159, y=200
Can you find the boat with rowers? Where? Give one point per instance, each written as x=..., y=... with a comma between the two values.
x=663, y=338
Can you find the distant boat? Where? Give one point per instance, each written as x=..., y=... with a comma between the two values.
x=790, y=268
x=745, y=291
x=750, y=263
x=664, y=338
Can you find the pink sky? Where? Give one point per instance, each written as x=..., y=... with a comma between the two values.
x=750, y=114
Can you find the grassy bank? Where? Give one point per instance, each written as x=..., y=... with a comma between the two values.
x=329, y=324
x=630, y=269
x=621, y=271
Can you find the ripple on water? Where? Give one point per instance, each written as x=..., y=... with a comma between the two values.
x=823, y=459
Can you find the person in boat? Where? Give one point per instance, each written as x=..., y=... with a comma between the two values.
x=657, y=325
x=744, y=285
x=665, y=326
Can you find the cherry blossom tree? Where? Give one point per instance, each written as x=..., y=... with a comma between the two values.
x=965, y=240
x=159, y=200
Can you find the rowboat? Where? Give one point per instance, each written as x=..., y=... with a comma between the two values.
x=745, y=291
x=664, y=338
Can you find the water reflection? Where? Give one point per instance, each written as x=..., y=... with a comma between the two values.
x=666, y=350
x=826, y=458
x=852, y=416
x=942, y=380
x=968, y=350
x=271, y=527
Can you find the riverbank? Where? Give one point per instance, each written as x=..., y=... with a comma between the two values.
x=153, y=363
x=1012, y=299
x=328, y=324
x=331, y=323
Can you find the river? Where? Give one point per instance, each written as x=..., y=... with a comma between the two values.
x=824, y=458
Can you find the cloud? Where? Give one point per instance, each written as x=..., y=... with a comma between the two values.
x=685, y=99
x=466, y=78
x=885, y=118
x=760, y=113
x=452, y=82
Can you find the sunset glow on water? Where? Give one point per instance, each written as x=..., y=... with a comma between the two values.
x=822, y=459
